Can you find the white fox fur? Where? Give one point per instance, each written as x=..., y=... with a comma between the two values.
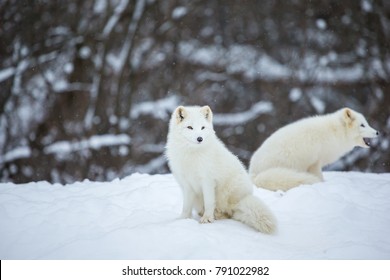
x=295, y=154
x=212, y=179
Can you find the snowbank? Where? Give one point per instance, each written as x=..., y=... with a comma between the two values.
x=346, y=217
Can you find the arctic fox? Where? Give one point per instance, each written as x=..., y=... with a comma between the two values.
x=212, y=179
x=296, y=153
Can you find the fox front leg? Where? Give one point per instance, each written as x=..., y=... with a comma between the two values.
x=188, y=203
x=208, y=190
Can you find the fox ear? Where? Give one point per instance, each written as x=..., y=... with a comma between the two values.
x=206, y=111
x=348, y=116
x=180, y=114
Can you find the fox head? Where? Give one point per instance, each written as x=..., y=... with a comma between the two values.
x=194, y=124
x=358, y=128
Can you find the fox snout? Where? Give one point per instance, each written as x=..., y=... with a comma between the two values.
x=372, y=133
x=199, y=139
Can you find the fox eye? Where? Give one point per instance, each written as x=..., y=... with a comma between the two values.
x=202, y=127
x=362, y=125
x=190, y=127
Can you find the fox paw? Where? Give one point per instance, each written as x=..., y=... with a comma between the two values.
x=206, y=219
x=185, y=216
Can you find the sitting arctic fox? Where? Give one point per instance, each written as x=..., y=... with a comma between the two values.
x=296, y=153
x=212, y=179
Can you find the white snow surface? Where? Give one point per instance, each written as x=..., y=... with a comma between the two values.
x=345, y=217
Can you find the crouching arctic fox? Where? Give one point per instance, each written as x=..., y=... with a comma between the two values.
x=296, y=153
x=213, y=180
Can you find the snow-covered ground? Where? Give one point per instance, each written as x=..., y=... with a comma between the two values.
x=345, y=217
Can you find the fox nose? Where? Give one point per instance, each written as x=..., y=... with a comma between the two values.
x=377, y=133
x=199, y=139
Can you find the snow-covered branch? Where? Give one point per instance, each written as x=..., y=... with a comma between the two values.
x=232, y=119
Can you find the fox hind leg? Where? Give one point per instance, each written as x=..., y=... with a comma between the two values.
x=283, y=179
x=316, y=169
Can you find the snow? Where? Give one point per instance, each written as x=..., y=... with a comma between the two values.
x=253, y=64
x=295, y=94
x=318, y=104
x=85, y=52
x=159, y=109
x=260, y=108
x=95, y=142
x=100, y=6
x=179, y=12
x=366, y=6
x=345, y=217
x=17, y=153
x=236, y=59
x=321, y=24
x=118, y=61
x=119, y=9
x=6, y=73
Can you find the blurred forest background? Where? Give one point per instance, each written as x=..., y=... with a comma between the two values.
x=87, y=86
